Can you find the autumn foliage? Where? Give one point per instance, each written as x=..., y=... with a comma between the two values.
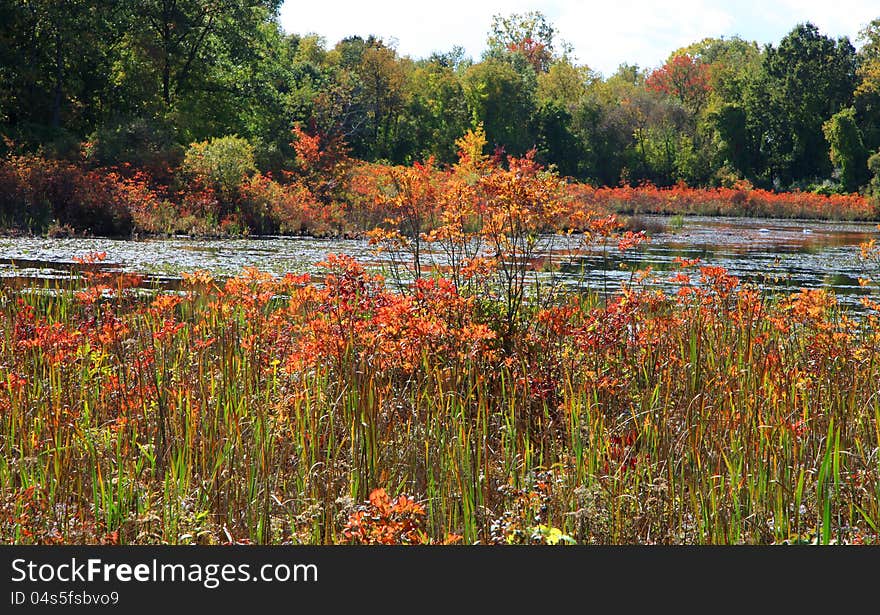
x=218, y=191
x=387, y=521
x=739, y=200
x=684, y=78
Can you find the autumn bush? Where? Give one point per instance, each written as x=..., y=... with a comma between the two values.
x=739, y=200
x=12, y=194
x=39, y=192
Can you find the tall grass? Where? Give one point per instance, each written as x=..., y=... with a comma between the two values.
x=268, y=410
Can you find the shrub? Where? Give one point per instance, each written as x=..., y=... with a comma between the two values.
x=258, y=197
x=222, y=164
x=387, y=521
x=97, y=204
x=11, y=193
x=36, y=193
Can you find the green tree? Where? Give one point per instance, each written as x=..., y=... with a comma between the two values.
x=867, y=94
x=436, y=114
x=722, y=142
x=503, y=99
x=186, y=39
x=810, y=77
x=555, y=141
x=608, y=122
x=847, y=151
x=54, y=58
x=874, y=169
x=734, y=147
x=373, y=78
x=565, y=84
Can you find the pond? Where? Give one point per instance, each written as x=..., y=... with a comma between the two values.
x=777, y=254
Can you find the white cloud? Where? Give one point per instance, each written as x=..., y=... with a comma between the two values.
x=603, y=33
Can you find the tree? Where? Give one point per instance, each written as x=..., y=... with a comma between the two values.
x=54, y=58
x=503, y=100
x=811, y=77
x=867, y=94
x=383, y=78
x=729, y=64
x=874, y=168
x=721, y=141
x=455, y=58
x=562, y=122
x=607, y=123
x=730, y=124
x=436, y=114
x=565, y=84
x=372, y=79
x=556, y=144
x=657, y=124
x=527, y=34
x=847, y=151
x=685, y=79
x=870, y=39
x=186, y=38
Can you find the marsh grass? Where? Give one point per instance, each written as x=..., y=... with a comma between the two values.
x=266, y=411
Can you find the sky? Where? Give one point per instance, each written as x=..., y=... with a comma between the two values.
x=603, y=33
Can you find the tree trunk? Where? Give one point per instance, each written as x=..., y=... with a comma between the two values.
x=59, y=81
x=166, y=66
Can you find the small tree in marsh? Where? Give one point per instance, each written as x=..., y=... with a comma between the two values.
x=518, y=203
x=411, y=198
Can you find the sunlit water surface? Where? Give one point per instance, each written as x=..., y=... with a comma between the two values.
x=778, y=255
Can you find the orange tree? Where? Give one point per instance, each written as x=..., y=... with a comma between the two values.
x=516, y=205
x=411, y=199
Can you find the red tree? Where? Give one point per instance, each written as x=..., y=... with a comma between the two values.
x=684, y=78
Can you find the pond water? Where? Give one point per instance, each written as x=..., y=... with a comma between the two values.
x=777, y=254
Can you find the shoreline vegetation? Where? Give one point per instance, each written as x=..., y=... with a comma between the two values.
x=210, y=120
x=217, y=192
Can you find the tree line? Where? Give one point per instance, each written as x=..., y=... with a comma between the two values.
x=138, y=82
